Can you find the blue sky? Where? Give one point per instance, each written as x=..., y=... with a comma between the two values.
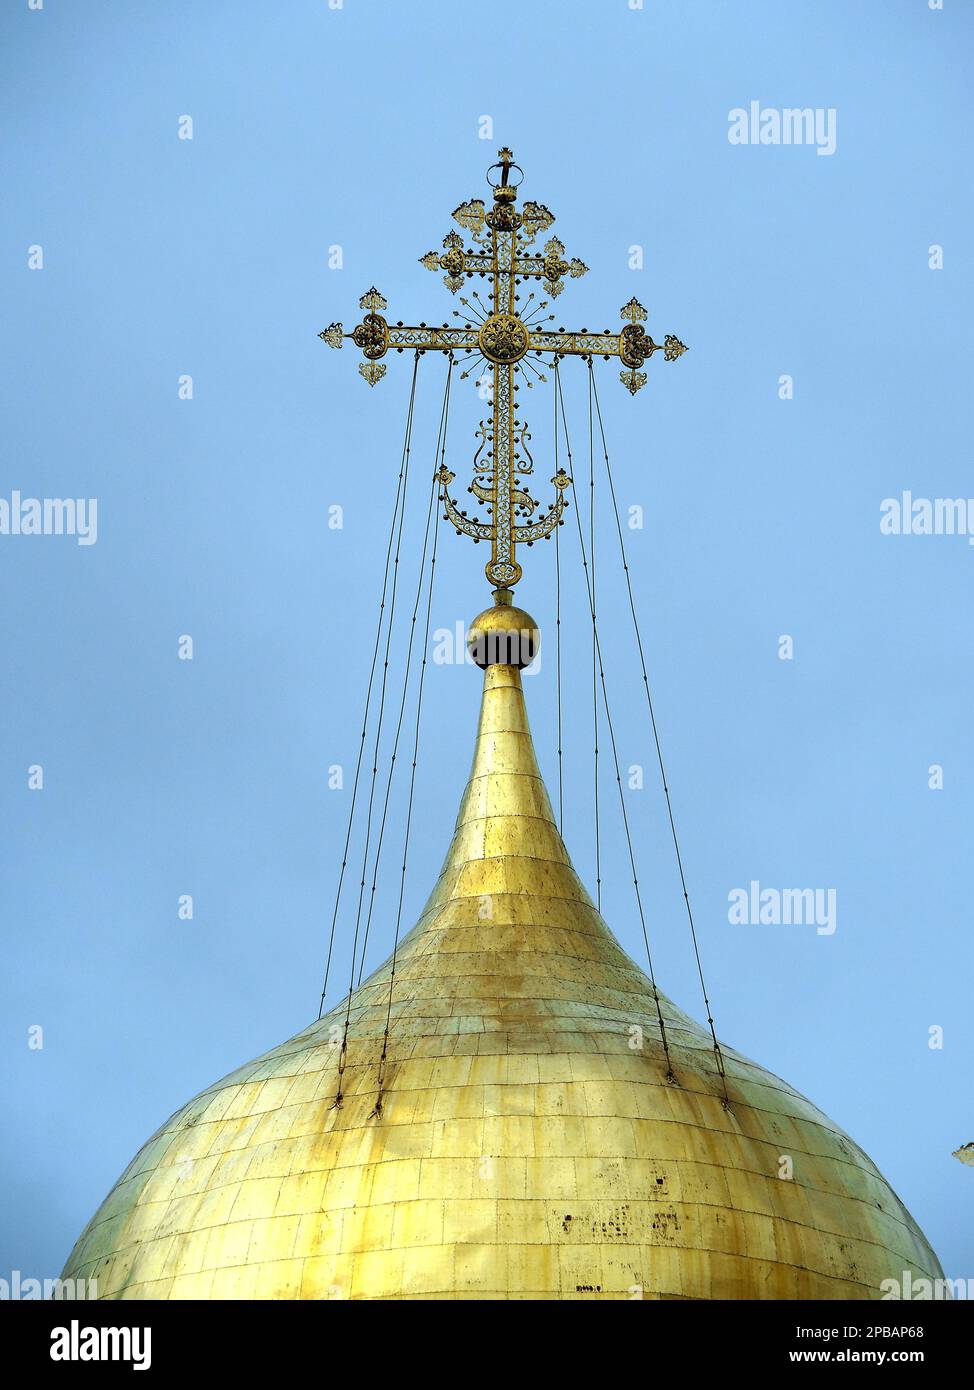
x=360, y=127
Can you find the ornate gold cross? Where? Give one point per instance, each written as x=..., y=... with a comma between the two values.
x=507, y=336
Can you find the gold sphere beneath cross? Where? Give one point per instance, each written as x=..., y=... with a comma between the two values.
x=503, y=636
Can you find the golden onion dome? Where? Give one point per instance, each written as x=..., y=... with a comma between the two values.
x=529, y=1141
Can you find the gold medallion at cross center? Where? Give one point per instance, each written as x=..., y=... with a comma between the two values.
x=503, y=338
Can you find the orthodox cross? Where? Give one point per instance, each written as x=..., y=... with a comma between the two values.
x=508, y=337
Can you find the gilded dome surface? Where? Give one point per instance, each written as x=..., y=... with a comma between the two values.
x=528, y=1143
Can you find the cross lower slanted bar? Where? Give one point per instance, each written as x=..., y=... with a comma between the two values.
x=507, y=336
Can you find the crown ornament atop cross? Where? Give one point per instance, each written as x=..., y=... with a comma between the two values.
x=509, y=337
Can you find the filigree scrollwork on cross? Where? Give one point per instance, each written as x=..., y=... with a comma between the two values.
x=636, y=345
x=372, y=371
x=470, y=215
x=333, y=335
x=498, y=473
x=505, y=332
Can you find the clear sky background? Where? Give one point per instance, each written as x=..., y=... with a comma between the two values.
x=359, y=127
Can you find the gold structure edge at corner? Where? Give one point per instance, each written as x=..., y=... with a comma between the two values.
x=524, y=1149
